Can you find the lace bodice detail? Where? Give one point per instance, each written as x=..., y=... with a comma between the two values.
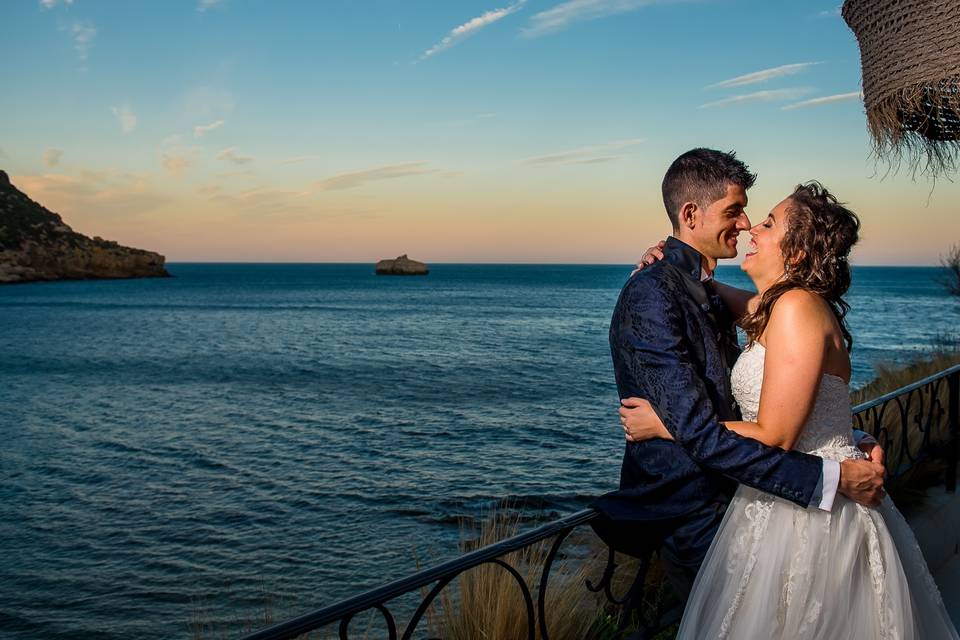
x=827, y=432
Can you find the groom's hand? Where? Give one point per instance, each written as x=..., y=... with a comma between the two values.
x=874, y=453
x=862, y=481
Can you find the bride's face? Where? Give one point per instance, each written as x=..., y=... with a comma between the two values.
x=764, y=262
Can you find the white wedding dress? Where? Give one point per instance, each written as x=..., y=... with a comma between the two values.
x=776, y=570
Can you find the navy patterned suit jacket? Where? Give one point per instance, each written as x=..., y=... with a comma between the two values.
x=673, y=343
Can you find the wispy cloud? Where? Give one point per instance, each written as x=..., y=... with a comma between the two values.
x=829, y=13
x=266, y=201
x=83, y=35
x=239, y=173
x=816, y=102
x=231, y=155
x=51, y=157
x=353, y=179
x=770, y=95
x=298, y=159
x=49, y=4
x=176, y=157
x=203, y=129
x=175, y=164
x=593, y=154
x=567, y=13
x=126, y=117
x=764, y=75
x=203, y=5
x=97, y=193
x=468, y=28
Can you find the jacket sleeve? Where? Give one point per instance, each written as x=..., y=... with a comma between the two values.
x=649, y=331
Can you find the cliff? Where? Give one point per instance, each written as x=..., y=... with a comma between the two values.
x=35, y=244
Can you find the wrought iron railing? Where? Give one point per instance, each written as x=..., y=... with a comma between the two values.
x=914, y=423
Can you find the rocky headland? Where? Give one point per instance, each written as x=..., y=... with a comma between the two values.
x=402, y=266
x=35, y=244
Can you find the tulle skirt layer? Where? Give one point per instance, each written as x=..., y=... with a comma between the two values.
x=776, y=570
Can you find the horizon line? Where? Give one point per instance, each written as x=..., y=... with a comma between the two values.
x=532, y=264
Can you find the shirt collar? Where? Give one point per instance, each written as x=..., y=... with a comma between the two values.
x=687, y=259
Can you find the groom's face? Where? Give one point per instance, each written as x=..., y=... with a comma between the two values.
x=721, y=223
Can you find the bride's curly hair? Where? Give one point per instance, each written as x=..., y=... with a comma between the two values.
x=816, y=246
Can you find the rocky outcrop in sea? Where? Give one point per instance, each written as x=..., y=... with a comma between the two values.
x=35, y=244
x=402, y=266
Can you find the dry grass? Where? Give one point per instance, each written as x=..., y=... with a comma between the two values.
x=890, y=378
x=486, y=601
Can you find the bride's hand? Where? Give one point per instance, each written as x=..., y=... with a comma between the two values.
x=650, y=256
x=640, y=422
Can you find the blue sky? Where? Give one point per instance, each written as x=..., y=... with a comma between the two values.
x=455, y=131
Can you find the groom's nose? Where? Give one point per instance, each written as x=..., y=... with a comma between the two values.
x=743, y=222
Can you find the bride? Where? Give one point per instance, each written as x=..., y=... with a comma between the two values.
x=774, y=569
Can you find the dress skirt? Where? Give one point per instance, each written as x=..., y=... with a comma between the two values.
x=776, y=570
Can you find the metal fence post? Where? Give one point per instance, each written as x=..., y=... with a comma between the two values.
x=953, y=415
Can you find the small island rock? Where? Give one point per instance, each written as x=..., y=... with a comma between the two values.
x=402, y=266
x=35, y=244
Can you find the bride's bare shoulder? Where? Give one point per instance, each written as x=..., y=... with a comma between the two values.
x=799, y=307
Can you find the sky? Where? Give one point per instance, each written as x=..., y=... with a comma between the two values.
x=450, y=130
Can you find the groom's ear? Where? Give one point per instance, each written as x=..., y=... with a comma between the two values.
x=688, y=214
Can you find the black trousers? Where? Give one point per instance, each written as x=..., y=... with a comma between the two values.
x=684, y=549
x=682, y=542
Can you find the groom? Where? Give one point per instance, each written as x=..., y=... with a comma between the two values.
x=673, y=343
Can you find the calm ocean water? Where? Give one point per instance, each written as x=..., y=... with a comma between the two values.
x=307, y=431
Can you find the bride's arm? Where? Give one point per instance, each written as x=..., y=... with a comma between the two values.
x=796, y=350
x=738, y=301
x=796, y=338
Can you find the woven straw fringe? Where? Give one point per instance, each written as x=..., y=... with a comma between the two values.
x=918, y=126
x=910, y=55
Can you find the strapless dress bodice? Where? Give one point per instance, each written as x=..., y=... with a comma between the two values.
x=826, y=433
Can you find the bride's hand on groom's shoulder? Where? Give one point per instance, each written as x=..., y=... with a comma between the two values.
x=650, y=256
x=640, y=422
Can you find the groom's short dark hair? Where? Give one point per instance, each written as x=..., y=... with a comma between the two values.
x=702, y=176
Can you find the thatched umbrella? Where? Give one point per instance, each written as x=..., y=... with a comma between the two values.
x=910, y=52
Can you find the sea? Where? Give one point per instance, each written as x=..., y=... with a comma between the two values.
x=186, y=451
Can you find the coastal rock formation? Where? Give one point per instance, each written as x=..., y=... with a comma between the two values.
x=35, y=244
x=402, y=266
